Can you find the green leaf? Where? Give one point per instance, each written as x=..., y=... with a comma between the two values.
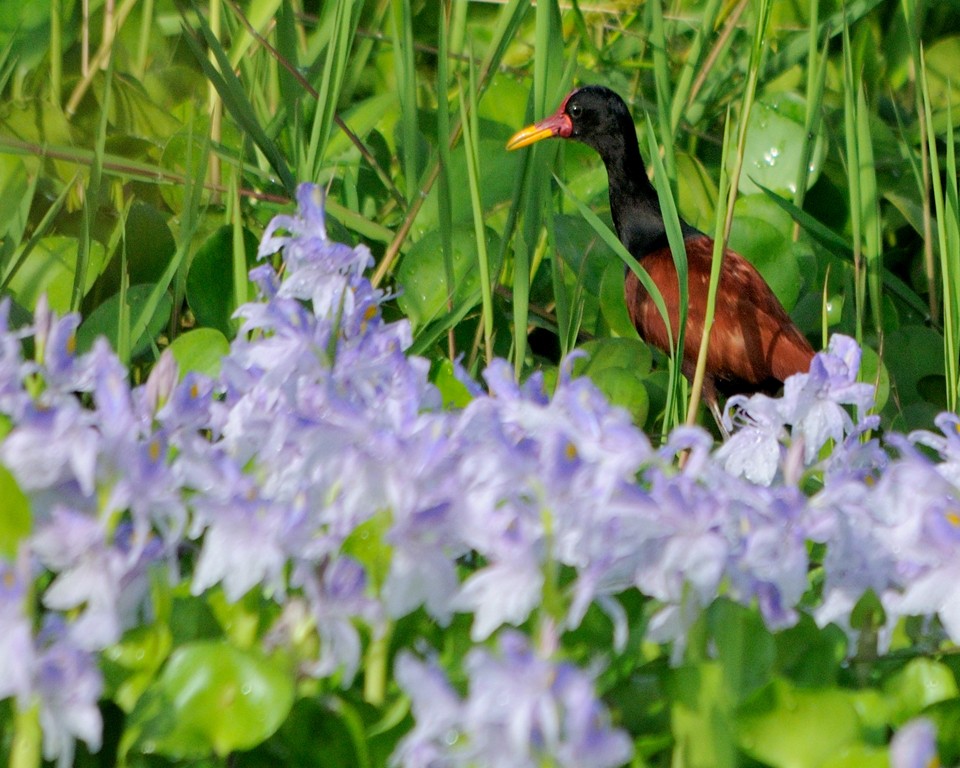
x=200, y=350
x=701, y=717
x=422, y=278
x=14, y=200
x=149, y=242
x=919, y=684
x=618, y=368
x=131, y=665
x=613, y=302
x=774, y=146
x=104, y=320
x=745, y=648
x=914, y=358
x=15, y=517
x=209, y=290
x=859, y=756
x=797, y=728
x=211, y=696
x=772, y=252
x=453, y=391
x=50, y=269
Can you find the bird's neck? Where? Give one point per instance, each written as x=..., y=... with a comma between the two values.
x=634, y=204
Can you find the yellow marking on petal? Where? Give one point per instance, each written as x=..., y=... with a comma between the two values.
x=9, y=579
x=154, y=450
x=194, y=391
x=953, y=518
x=571, y=451
x=72, y=344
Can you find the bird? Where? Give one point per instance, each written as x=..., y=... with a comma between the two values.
x=754, y=345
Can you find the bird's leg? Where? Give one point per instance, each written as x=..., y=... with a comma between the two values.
x=718, y=417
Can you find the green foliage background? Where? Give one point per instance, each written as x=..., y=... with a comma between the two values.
x=144, y=146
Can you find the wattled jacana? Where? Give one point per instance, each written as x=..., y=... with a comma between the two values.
x=754, y=344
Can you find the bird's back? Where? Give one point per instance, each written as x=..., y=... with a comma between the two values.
x=754, y=345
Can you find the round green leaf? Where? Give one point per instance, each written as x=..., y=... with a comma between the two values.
x=150, y=244
x=422, y=274
x=210, y=291
x=220, y=698
x=105, y=320
x=200, y=350
x=618, y=367
x=50, y=269
x=919, y=684
x=914, y=358
x=772, y=252
x=799, y=728
x=775, y=137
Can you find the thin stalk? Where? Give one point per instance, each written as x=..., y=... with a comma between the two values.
x=91, y=196
x=948, y=238
x=470, y=135
x=720, y=243
x=912, y=25
x=406, y=75
x=661, y=72
x=725, y=192
x=56, y=53
x=851, y=87
x=815, y=86
x=444, y=198
x=101, y=56
x=143, y=39
x=684, y=90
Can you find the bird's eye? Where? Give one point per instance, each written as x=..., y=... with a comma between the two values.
x=575, y=110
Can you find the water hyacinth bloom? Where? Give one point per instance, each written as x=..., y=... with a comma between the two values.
x=16, y=640
x=68, y=685
x=915, y=746
x=812, y=406
x=520, y=710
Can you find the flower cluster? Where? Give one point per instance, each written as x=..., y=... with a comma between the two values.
x=320, y=432
x=521, y=711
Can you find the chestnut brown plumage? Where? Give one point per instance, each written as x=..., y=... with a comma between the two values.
x=754, y=345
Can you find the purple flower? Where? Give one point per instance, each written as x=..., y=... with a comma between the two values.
x=16, y=640
x=915, y=746
x=105, y=582
x=68, y=685
x=521, y=709
x=754, y=449
x=336, y=592
x=53, y=448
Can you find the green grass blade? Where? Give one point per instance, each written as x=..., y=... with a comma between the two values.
x=405, y=71
x=235, y=99
x=92, y=195
x=870, y=212
x=444, y=197
x=681, y=94
x=851, y=138
x=342, y=29
x=815, y=86
x=470, y=135
x=671, y=221
x=610, y=239
x=43, y=228
x=661, y=72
